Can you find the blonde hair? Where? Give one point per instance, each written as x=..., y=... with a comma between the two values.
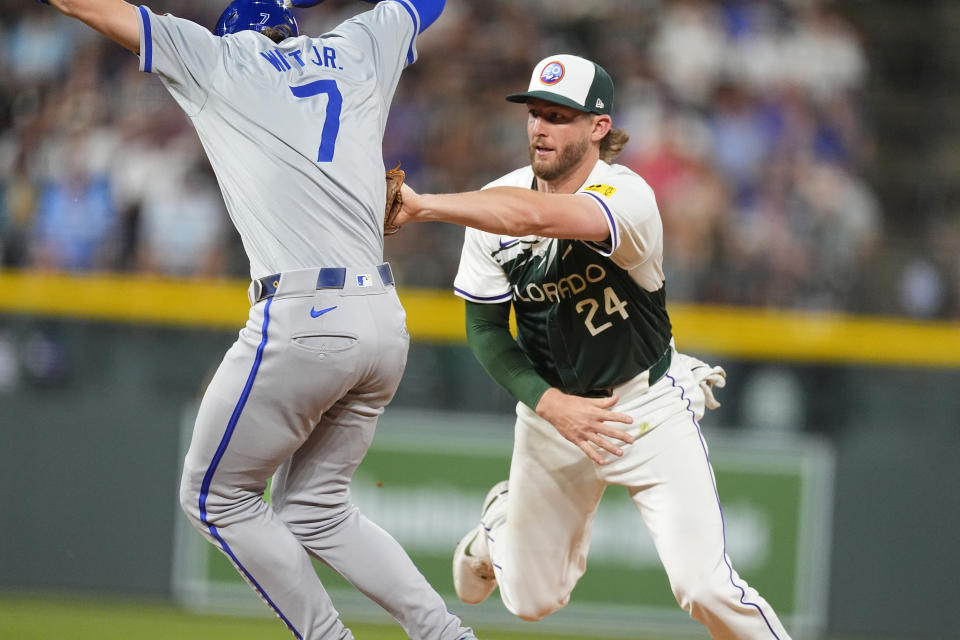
x=612, y=144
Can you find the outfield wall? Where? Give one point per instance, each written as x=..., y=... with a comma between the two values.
x=424, y=480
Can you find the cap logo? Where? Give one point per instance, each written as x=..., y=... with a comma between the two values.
x=552, y=73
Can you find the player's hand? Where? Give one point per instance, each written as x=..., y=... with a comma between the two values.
x=583, y=421
x=411, y=205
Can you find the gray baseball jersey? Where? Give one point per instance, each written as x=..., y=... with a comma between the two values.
x=294, y=133
x=293, y=130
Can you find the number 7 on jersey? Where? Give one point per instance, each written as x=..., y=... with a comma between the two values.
x=331, y=123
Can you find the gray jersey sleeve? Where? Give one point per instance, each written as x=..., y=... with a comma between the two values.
x=184, y=54
x=390, y=48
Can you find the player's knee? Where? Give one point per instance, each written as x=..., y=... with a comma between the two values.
x=189, y=498
x=534, y=610
x=307, y=520
x=527, y=604
x=697, y=596
x=190, y=490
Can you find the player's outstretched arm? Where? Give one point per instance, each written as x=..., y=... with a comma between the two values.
x=428, y=10
x=115, y=19
x=511, y=211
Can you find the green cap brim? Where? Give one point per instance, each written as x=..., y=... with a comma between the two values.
x=549, y=97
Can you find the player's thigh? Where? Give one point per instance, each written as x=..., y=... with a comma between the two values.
x=239, y=437
x=249, y=419
x=318, y=473
x=679, y=504
x=316, y=478
x=554, y=493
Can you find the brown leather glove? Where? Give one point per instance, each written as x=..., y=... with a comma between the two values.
x=395, y=178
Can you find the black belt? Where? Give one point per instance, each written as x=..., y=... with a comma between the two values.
x=657, y=370
x=327, y=278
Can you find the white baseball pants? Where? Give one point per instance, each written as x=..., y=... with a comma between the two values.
x=539, y=549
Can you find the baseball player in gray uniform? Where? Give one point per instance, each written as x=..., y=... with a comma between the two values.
x=293, y=128
x=575, y=245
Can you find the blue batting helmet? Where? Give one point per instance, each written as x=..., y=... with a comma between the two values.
x=254, y=15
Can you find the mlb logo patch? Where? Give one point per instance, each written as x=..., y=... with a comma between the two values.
x=364, y=281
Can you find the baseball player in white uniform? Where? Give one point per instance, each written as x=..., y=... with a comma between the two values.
x=293, y=128
x=575, y=245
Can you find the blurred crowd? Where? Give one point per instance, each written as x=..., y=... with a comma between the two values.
x=746, y=117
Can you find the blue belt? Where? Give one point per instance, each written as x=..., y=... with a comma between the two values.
x=327, y=278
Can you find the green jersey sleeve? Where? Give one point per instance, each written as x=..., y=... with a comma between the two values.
x=488, y=334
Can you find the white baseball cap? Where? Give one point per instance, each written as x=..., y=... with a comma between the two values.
x=571, y=81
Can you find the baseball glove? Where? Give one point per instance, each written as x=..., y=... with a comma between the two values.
x=395, y=178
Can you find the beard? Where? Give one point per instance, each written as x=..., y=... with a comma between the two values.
x=567, y=158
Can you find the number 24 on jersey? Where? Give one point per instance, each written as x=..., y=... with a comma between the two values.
x=611, y=304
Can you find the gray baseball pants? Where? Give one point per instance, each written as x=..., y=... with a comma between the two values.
x=297, y=398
